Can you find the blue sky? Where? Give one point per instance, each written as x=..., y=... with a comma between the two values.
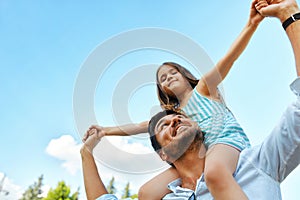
x=44, y=45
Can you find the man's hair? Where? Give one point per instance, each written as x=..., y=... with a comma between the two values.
x=152, y=123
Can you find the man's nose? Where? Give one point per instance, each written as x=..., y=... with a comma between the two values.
x=175, y=120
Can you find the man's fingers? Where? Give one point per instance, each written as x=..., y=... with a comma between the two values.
x=85, y=136
x=96, y=127
x=88, y=133
x=260, y=5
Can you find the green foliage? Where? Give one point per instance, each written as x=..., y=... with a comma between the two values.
x=61, y=192
x=111, y=189
x=126, y=193
x=134, y=196
x=34, y=191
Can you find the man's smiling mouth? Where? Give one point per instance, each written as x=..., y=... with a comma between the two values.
x=177, y=129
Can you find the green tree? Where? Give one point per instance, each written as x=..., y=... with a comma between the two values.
x=34, y=191
x=111, y=189
x=134, y=196
x=61, y=192
x=126, y=193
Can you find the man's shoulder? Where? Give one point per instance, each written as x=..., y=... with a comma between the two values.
x=248, y=156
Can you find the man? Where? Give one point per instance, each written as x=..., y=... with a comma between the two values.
x=178, y=140
x=260, y=169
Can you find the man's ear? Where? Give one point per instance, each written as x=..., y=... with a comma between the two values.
x=202, y=151
x=162, y=155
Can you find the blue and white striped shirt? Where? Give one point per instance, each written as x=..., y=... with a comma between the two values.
x=217, y=121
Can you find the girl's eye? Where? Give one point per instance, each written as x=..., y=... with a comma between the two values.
x=162, y=79
x=173, y=71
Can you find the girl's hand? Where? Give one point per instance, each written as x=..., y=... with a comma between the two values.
x=255, y=16
x=281, y=9
x=91, y=138
x=90, y=131
x=260, y=5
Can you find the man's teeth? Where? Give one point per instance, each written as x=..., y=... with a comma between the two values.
x=179, y=129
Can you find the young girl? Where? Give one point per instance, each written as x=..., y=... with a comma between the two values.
x=201, y=101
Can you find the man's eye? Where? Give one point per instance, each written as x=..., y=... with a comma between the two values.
x=163, y=126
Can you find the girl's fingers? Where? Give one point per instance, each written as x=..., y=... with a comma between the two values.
x=92, y=132
x=260, y=5
x=88, y=133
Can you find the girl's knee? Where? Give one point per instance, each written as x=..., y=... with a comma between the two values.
x=143, y=193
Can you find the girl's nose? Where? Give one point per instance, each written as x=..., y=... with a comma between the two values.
x=169, y=77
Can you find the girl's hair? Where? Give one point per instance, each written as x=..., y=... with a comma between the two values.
x=171, y=101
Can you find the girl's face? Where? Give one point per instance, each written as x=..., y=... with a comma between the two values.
x=170, y=79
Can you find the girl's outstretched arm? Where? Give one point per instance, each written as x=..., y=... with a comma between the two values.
x=123, y=130
x=208, y=84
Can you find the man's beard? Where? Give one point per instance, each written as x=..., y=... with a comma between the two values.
x=189, y=141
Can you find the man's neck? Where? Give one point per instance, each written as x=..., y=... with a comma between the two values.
x=190, y=167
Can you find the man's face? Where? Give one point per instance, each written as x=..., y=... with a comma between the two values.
x=176, y=134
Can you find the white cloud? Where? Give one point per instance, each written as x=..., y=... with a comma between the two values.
x=121, y=179
x=127, y=156
x=122, y=161
x=66, y=149
x=124, y=144
x=14, y=191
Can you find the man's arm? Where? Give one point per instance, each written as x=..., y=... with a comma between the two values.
x=94, y=186
x=279, y=153
x=293, y=32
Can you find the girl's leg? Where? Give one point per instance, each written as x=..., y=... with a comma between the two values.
x=157, y=188
x=220, y=164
